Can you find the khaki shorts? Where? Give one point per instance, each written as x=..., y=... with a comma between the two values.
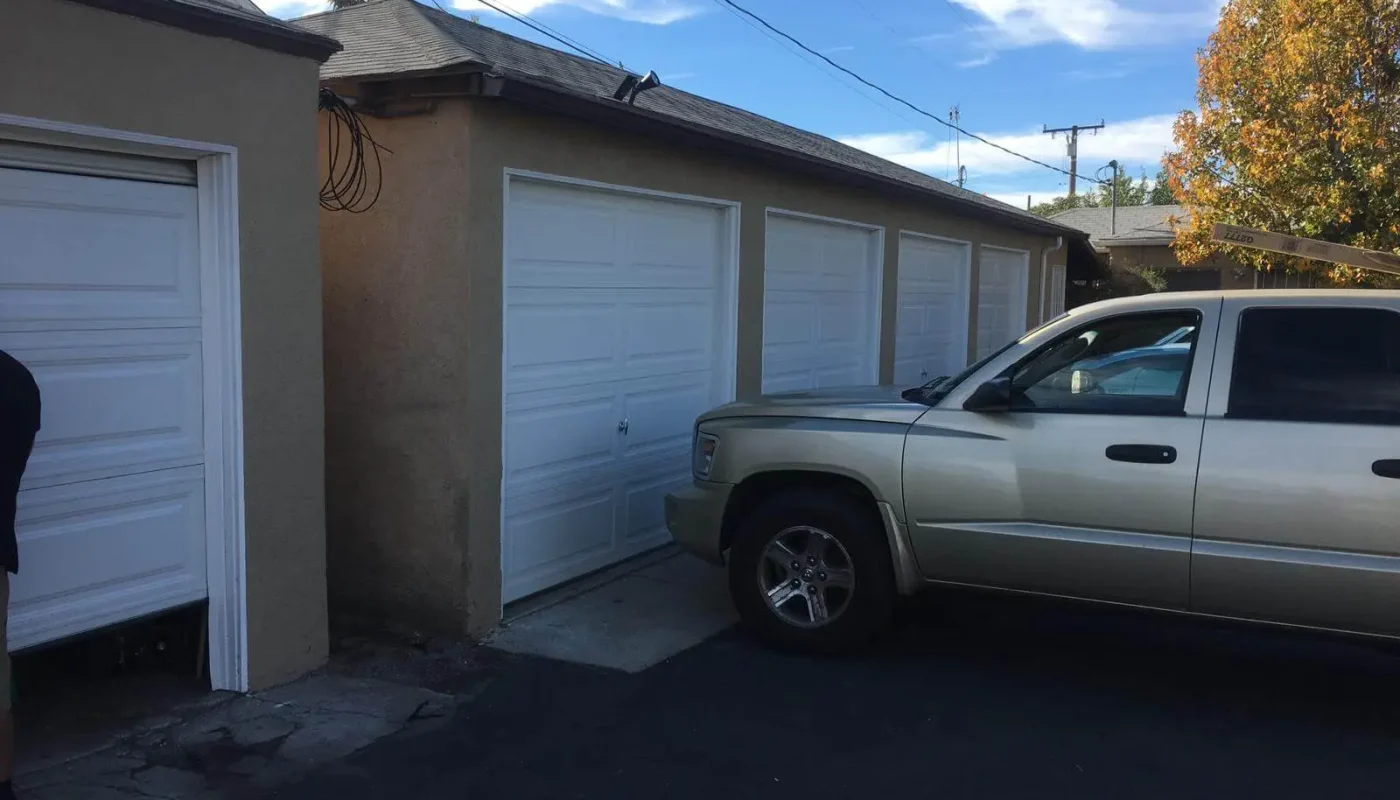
x=6, y=690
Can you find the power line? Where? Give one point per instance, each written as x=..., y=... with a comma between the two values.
x=879, y=19
x=817, y=66
x=545, y=30
x=894, y=97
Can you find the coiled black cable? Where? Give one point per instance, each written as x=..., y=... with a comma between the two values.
x=351, y=183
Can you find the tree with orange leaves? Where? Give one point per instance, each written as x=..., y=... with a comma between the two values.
x=1298, y=130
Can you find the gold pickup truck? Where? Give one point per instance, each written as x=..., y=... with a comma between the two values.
x=1233, y=454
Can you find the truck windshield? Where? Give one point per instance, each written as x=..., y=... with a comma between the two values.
x=930, y=393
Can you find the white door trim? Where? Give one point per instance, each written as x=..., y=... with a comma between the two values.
x=967, y=290
x=877, y=290
x=728, y=296
x=222, y=334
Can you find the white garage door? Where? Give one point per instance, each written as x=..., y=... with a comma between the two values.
x=100, y=298
x=821, y=297
x=1001, y=297
x=616, y=338
x=934, y=291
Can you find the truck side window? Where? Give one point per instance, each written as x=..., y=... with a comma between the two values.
x=1130, y=364
x=1317, y=365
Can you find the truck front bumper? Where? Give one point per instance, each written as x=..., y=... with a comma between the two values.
x=695, y=518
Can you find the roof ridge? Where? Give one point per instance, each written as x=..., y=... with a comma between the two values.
x=430, y=14
x=334, y=10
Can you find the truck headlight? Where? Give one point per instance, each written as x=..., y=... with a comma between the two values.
x=702, y=455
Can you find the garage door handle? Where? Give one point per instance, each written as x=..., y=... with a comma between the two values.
x=623, y=426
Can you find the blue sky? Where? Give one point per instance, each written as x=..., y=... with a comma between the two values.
x=1010, y=65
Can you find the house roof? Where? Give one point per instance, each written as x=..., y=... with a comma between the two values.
x=239, y=20
x=385, y=39
x=1136, y=225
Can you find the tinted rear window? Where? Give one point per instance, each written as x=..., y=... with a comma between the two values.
x=1317, y=365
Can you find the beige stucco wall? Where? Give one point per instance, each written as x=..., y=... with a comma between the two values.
x=431, y=254
x=397, y=303
x=72, y=63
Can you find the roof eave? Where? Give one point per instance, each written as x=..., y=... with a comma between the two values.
x=213, y=22
x=550, y=97
x=1143, y=241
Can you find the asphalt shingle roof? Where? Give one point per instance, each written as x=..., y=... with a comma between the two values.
x=383, y=38
x=1135, y=223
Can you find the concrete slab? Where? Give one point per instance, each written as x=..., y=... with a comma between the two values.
x=639, y=619
x=251, y=742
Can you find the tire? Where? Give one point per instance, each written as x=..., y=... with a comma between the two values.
x=823, y=516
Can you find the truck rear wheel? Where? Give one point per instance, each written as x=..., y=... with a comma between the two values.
x=810, y=571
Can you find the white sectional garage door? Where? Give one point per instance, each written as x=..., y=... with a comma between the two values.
x=934, y=291
x=100, y=298
x=616, y=338
x=821, y=296
x=1001, y=297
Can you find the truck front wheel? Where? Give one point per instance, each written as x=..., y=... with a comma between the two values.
x=810, y=571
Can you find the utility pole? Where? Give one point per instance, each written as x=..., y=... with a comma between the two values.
x=955, y=116
x=1073, y=146
x=1113, y=215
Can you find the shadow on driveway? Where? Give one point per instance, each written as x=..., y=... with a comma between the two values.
x=972, y=696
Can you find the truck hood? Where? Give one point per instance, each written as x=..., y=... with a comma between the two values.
x=870, y=403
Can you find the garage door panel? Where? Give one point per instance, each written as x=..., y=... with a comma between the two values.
x=100, y=297
x=670, y=335
x=113, y=409
x=1003, y=281
x=819, y=304
x=788, y=319
x=565, y=436
x=556, y=338
x=676, y=248
x=931, y=329
x=580, y=246
x=841, y=325
x=79, y=247
x=552, y=536
x=149, y=532
x=663, y=418
x=631, y=335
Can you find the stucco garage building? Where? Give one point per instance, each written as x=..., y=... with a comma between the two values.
x=555, y=282
x=159, y=276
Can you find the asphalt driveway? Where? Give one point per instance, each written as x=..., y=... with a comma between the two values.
x=974, y=696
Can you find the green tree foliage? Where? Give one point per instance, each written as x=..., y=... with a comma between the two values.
x=1161, y=194
x=1130, y=193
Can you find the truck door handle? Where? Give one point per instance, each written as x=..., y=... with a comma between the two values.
x=1387, y=468
x=1141, y=453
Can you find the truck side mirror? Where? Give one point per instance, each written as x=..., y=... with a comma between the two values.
x=990, y=397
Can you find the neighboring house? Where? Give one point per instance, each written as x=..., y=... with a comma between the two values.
x=554, y=283
x=1141, y=236
x=159, y=275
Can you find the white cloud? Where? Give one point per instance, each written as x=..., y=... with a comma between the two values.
x=1089, y=24
x=980, y=61
x=1132, y=142
x=291, y=9
x=651, y=12
x=840, y=48
x=1106, y=74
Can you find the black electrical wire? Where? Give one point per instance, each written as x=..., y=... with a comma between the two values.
x=351, y=184
x=545, y=30
x=765, y=23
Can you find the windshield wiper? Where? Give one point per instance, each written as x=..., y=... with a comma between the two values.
x=920, y=394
